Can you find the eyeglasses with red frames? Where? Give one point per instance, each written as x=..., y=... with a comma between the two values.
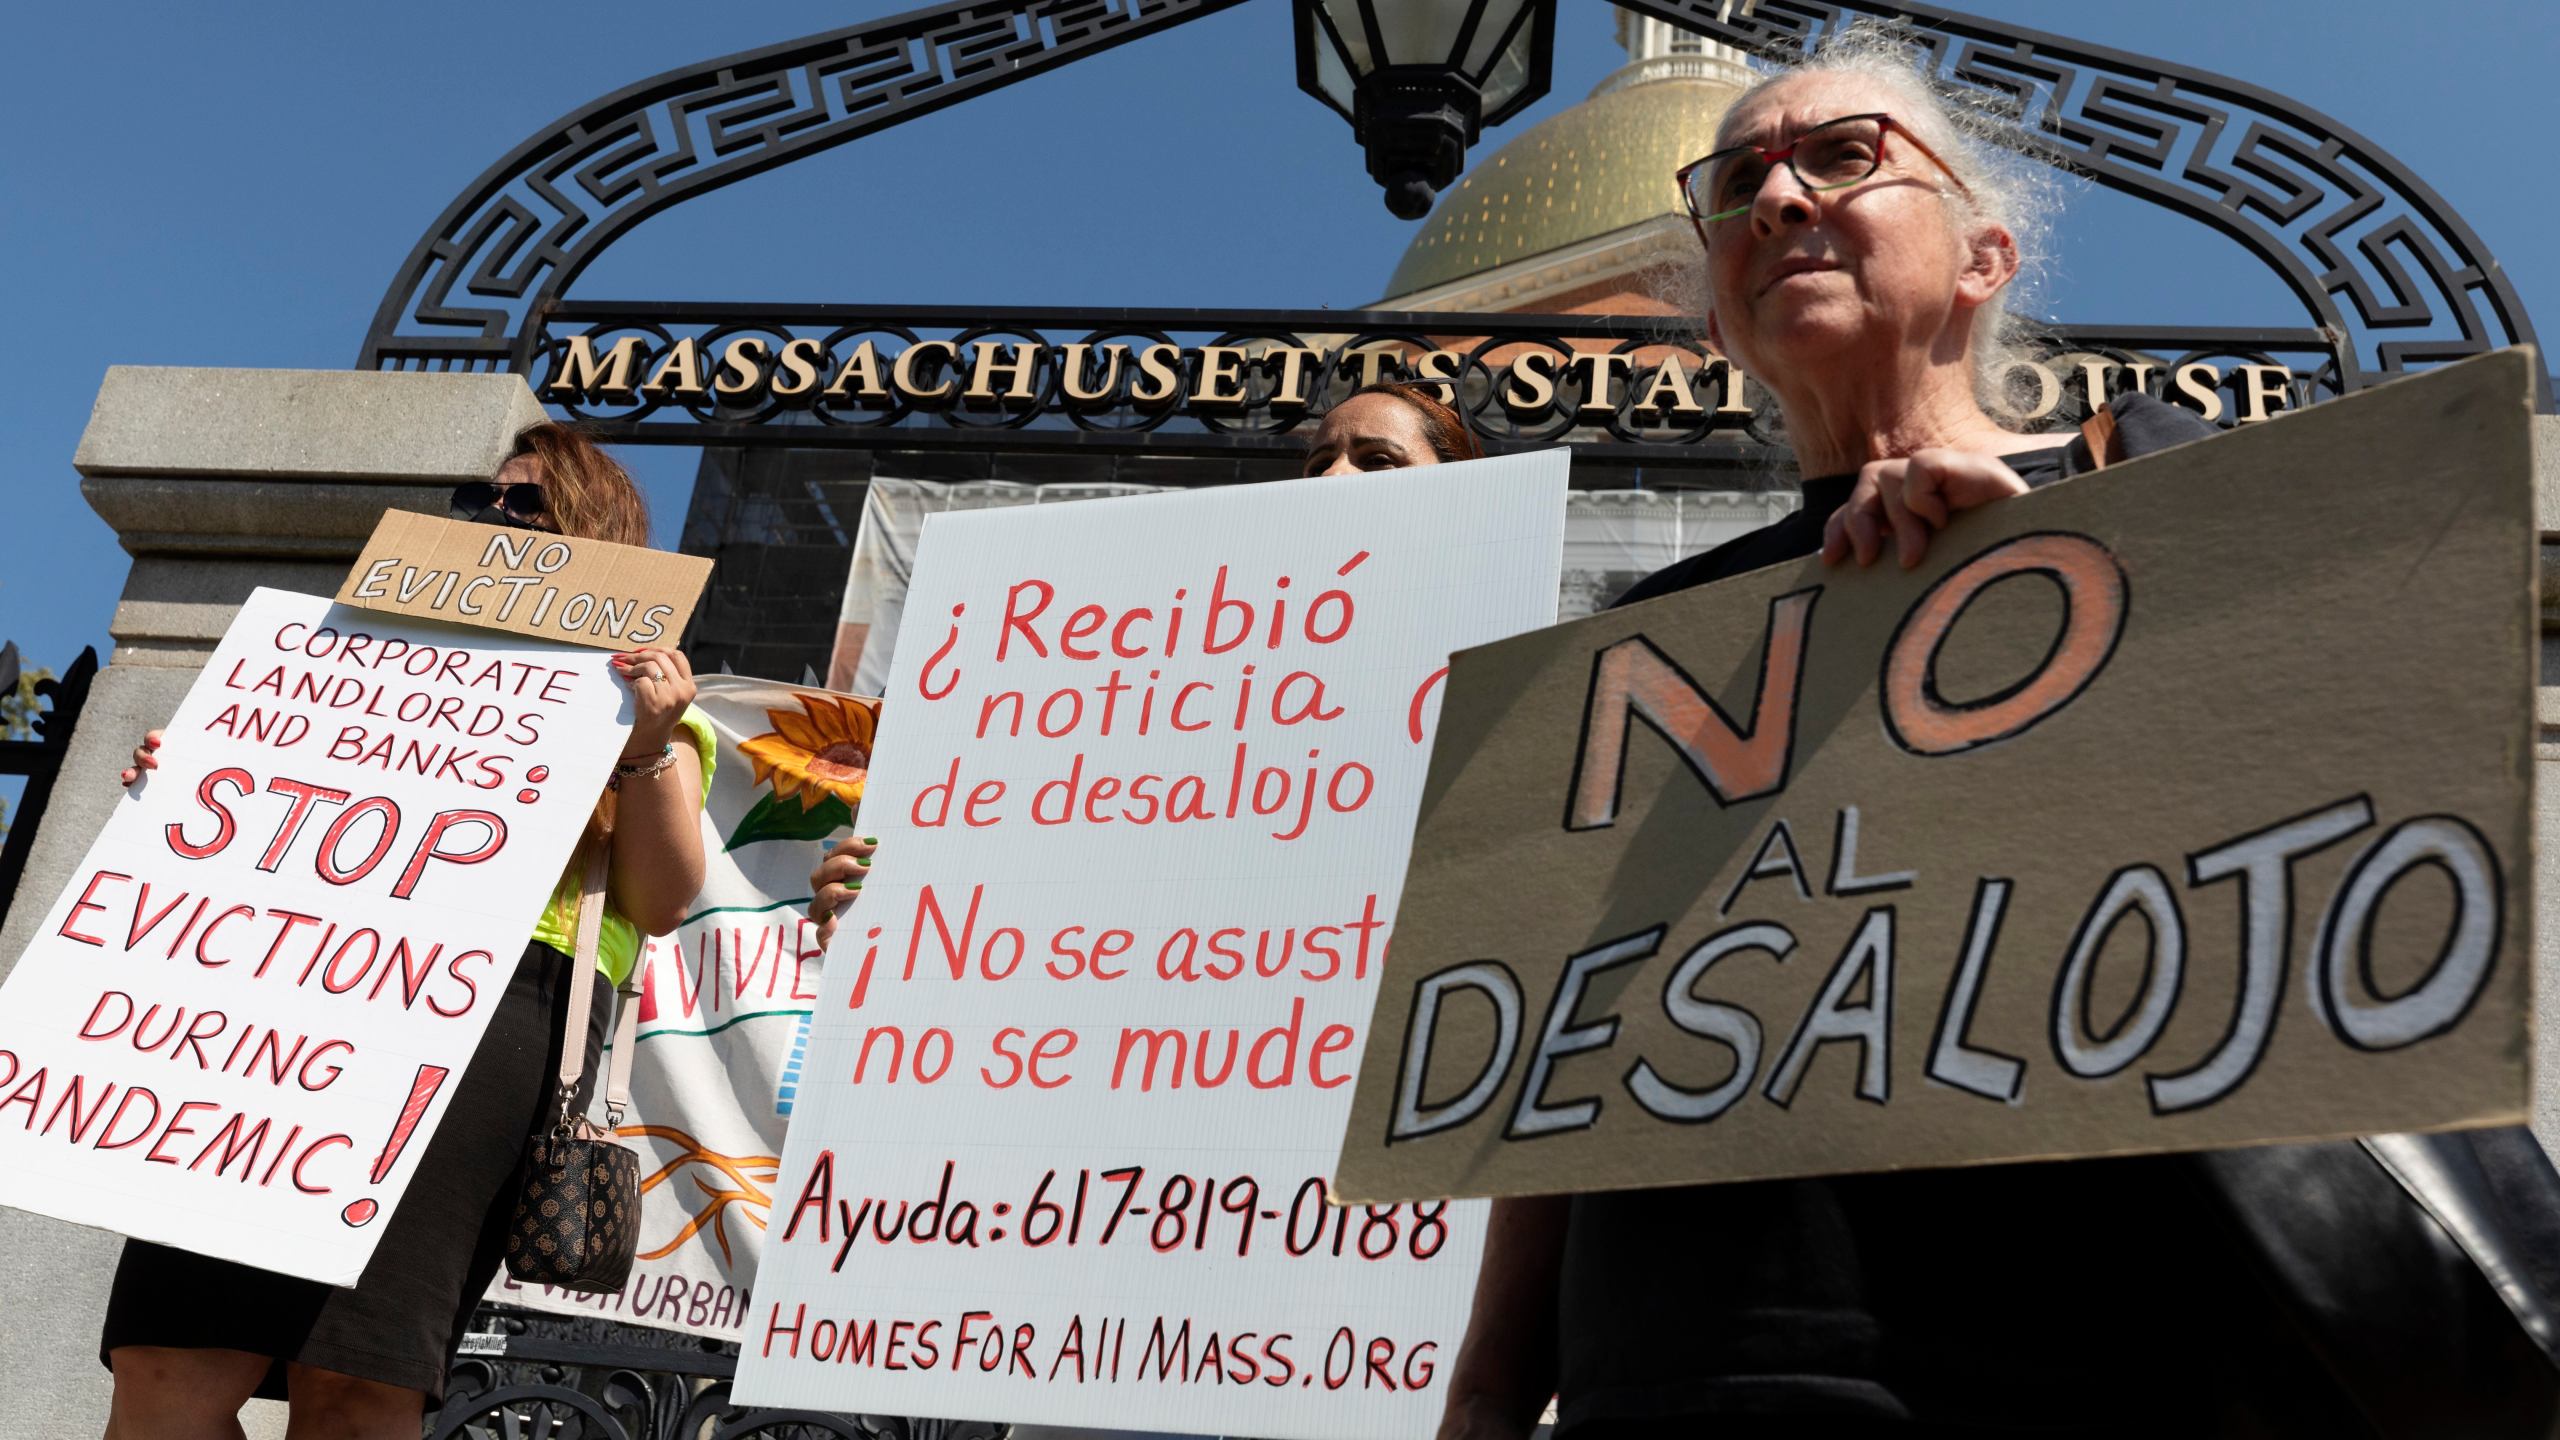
x=1833, y=155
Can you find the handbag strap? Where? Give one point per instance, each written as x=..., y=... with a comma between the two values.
x=617, y=1065
x=573, y=1026
x=2099, y=431
x=573, y=1023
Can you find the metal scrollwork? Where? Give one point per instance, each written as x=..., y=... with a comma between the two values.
x=40, y=760
x=2387, y=271
x=514, y=241
x=2377, y=258
x=524, y=1376
x=533, y=1412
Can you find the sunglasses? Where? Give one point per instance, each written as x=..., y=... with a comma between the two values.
x=524, y=501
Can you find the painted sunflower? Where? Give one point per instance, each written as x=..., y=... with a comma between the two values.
x=821, y=753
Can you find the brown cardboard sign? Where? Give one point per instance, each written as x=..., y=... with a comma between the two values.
x=2187, y=804
x=587, y=592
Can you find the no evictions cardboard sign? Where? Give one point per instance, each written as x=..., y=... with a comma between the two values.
x=585, y=592
x=1082, y=1052
x=2182, y=805
x=239, y=1023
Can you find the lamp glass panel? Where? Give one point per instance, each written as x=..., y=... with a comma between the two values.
x=1332, y=78
x=1511, y=71
x=1347, y=23
x=1422, y=32
x=1498, y=15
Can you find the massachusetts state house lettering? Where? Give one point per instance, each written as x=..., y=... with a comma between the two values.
x=1532, y=383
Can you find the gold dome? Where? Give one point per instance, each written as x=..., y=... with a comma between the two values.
x=1601, y=166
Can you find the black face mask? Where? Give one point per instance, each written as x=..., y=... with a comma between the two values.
x=492, y=516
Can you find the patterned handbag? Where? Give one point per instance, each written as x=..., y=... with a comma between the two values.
x=577, y=1218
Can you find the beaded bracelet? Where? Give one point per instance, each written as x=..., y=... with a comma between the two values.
x=641, y=769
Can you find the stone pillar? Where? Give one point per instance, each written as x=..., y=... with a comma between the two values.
x=217, y=482
x=2546, y=796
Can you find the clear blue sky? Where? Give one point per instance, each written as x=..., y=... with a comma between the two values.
x=233, y=185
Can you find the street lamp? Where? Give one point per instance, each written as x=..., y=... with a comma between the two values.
x=1420, y=79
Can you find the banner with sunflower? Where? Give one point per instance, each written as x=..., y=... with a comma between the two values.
x=814, y=760
x=724, y=1006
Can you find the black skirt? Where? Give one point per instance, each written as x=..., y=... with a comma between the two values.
x=442, y=1244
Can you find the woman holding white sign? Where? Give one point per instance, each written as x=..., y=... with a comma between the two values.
x=1859, y=238
x=191, y=1338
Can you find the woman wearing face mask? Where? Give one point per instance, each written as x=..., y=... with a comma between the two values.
x=190, y=1338
x=1390, y=425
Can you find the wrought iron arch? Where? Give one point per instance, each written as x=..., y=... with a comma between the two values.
x=2338, y=219
x=510, y=244
x=2382, y=264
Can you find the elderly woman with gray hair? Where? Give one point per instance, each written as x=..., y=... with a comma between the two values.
x=1860, y=239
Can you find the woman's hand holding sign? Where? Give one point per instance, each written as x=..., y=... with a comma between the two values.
x=662, y=686
x=145, y=759
x=837, y=883
x=1911, y=496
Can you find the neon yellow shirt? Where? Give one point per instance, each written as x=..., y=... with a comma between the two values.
x=618, y=940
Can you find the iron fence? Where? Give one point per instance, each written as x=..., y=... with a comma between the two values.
x=40, y=760
x=521, y=1375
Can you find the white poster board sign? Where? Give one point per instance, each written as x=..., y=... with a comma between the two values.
x=1148, y=775
x=1612, y=539
x=239, y=1024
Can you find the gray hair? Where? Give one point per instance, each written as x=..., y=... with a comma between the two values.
x=1981, y=144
